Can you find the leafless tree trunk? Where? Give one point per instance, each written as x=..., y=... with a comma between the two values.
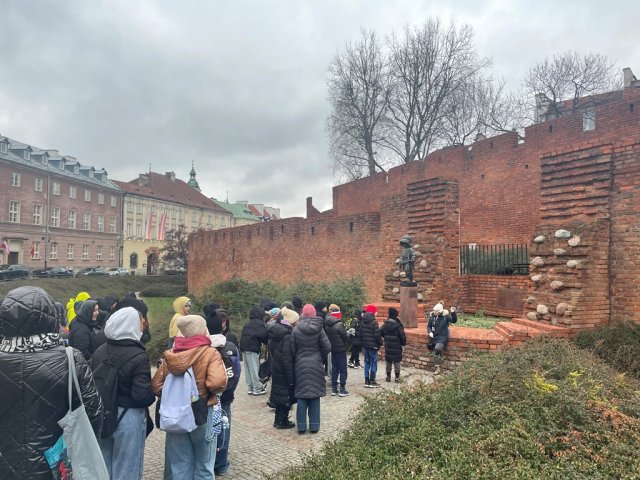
x=428, y=65
x=359, y=96
x=566, y=79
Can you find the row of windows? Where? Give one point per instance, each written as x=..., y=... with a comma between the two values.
x=55, y=190
x=54, y=219
x=53, y=251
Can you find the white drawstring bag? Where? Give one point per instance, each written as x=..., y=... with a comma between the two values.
x=176, y=412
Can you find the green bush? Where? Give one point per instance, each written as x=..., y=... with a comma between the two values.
x=238, y=295
x=617, y=344
x=544, y=410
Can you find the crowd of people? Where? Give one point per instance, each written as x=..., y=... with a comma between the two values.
x=303, y=347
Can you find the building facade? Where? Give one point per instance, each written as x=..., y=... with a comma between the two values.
x=56, y=211
x=154, y=204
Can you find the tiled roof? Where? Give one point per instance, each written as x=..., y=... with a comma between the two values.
x=238, y=210
x=161, y=187
x=255, y=211
x=53, y=165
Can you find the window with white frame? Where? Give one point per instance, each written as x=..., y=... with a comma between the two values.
x=114, y=201
x=53, y=252
x=45, y=160
x=589, y=119
x=69, y=251
x=76, y=170
x=194, y=218
x=98, y=252
x=86, y=221
x=3, y=148
x=55, y=188
x=38, y=185
x=85, y=252
x=14, y=212
x=101, y=223
x=101, y=198
x=72, y=191
x=112, y=252
x=15, y=179
x=138, y=208
x=55, y=217
x=90, y=173
x=129, y=230
x=35, y=250
x=87, y=195
x=27, y=154
x=62, y=165
x=112, y=225
x=37, y=214
x=138, y=230
x=130, y=207
x=72, y=219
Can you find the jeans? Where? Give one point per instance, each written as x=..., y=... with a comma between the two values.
x=191, y=457
x=313, y=406
x=339, y=368
x=222, y=445
x=370, y=363
x=251, y=362
x=123, y=451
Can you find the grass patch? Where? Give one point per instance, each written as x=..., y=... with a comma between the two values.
x=160, y=314
x=547, y=410
x=477, y=320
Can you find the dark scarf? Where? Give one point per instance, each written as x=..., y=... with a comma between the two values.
x=30, y=344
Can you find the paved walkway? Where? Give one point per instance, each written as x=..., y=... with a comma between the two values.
x=258, y=450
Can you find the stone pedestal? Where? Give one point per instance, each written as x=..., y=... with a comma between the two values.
x=409, y=306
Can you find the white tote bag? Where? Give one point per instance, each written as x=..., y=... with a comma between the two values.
x=176, y=412
x=82, y=445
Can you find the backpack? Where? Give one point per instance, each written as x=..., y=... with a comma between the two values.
x=176, y=411
x=228, y=364
x=105, y=376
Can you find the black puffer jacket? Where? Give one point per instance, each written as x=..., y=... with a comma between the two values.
x=254, y=333
x=392, y=332
x=338, y=337
x=134, y=372
x=282, y=374
x=310, y=345
x=356, y=324
x=439, y=326
x=370, y=332
x=83, y=331
x=34, y=388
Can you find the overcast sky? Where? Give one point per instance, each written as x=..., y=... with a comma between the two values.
x=240, y=87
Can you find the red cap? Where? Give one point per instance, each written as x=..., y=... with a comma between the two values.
x=371, y=309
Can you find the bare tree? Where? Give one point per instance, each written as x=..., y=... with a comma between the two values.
x=175, y=249
x=359, y=95
x=567, y=78
x=429, y=66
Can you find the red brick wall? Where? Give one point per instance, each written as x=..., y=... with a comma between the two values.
x=496, y=295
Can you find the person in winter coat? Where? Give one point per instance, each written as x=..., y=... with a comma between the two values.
x=310, y=345
x=334, y=328
x=254, y=334
x=123, y=451
x=107, y=305
x=282, y=373
x=181, y=307
x=83, y=334
x=35, y=396
x=226, y=326
x=71, y=312
x=355, y=339
x=394, y=338
x=371, y=343
x=142, y=308
x=438, y=331
x=210, y=315
x=219, y=341
x=191, y=455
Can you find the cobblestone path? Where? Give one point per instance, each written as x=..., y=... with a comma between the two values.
x=258, y=449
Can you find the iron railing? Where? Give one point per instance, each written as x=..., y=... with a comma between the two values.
x=505, y=259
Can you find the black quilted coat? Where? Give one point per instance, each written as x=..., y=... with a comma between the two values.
x=392, y=332
x=370, y=332
x=83, y=332
x=34, y=388
x=338, y=337
x=282, y=374
x=254, y=333
x=310, y=345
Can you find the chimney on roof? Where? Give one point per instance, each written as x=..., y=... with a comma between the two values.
x=170, y=175
x=143, y=179
x=542, y=108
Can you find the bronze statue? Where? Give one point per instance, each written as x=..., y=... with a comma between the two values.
x=408, y=257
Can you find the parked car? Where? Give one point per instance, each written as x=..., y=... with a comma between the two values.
x=98, y=271
x=118, y=272
x=53, y=272
x=13, y=272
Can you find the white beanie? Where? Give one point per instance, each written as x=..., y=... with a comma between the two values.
x=438, y=308
x=192, y=325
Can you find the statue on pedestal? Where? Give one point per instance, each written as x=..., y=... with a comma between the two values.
x=408, y=258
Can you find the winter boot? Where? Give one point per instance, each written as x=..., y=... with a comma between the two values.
x=388, y=376
x=398, y=378
x=343, y=391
